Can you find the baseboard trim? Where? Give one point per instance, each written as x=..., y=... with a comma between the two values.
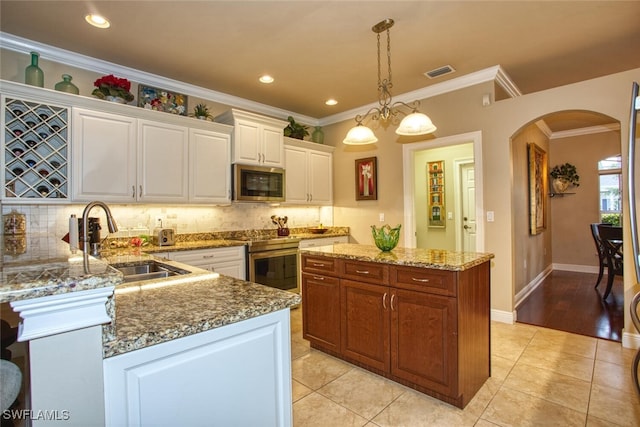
x=630, y=340
x=577, y=268
x=531, y=286
x=503, y=316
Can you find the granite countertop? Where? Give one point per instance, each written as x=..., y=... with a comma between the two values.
x=416, y=257
x=152, y=313
x=49, y=268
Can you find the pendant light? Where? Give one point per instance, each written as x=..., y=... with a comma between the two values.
x=414, y=123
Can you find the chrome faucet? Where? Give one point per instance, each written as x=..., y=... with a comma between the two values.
x=85, y=225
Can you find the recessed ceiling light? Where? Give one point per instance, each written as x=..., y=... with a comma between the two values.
x=97, y=21
x=266, y=79
x=331, y=102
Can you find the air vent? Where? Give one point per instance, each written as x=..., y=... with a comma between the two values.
x=447, y=69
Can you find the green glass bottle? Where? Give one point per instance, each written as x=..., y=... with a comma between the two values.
x=318, y=136
x=66, y=86
x=33, y=75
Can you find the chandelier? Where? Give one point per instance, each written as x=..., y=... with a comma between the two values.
x=414, y=123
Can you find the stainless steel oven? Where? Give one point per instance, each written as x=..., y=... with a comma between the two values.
x=274, y=263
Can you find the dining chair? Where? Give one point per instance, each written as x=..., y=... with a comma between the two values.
x=602, y=256
x=611, y=238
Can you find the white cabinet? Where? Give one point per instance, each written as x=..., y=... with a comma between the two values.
x=209, y=167
x=257, y=140
x=117, y=158
x=104, y=156
x=163, y=162
x=323, y=241
x=309, y=173
x=235, y=375
x=229, y=260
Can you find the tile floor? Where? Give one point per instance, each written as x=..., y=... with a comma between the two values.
x=540, y=377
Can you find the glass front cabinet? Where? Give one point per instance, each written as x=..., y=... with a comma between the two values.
x=35, y=138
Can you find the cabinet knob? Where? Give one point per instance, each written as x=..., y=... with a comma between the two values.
x=415, y=279
x=362, y=271
x=133, y=191
x=318, y=277
x=393, y=296
x=140, y=192
x=384, y=301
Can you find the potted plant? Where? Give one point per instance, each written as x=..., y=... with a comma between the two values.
x=295, y=130
x=201, y=111
x=564, y=176
x=113, y=89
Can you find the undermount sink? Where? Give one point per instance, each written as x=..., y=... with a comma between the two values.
x=148, y=271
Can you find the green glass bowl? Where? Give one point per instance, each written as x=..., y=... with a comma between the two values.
x=385, y=237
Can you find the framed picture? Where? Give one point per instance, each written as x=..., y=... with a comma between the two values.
x=436, y=194
x=366, y=179
x=153, y=98
x=537, y=189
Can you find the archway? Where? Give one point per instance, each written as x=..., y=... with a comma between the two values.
x=581, y=138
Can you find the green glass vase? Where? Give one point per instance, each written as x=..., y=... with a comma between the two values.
x=33, y=75
x=66, y=86
x=317, y=135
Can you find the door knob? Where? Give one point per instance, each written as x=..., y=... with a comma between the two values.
x=466, y=227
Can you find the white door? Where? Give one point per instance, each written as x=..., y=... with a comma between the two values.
x=103, y=156
x=468, y=194
x=210, y=167
x=163, y=162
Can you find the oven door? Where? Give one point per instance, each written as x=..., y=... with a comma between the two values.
x=276, y=268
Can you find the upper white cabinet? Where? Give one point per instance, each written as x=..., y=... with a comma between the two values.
x=309, y=169
x=163, y=164
x=257, y=140
x=209, y=167
x=117, y=158
x=104, y=156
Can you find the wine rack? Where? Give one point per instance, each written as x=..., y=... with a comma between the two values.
x=36, y=150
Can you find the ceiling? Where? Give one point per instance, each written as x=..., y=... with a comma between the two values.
x=317, y=50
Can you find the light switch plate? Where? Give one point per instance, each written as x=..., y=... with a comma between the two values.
x=489, y=216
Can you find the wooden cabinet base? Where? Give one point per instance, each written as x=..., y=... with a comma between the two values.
x=424, y=328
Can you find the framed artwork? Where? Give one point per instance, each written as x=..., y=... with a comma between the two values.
x=435, y=194
x=153, y=98
x=537, y=189
x=366, y=179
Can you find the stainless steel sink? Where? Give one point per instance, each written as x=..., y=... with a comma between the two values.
x=148, y=271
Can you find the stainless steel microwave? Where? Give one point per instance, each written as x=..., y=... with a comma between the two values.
x=258, y=184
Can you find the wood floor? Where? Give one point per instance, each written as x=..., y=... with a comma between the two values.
x=567, y=301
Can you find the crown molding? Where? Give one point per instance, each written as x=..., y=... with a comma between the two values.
x=611, y=127
x=22, y=45
x=495, y=73
x=52, y=53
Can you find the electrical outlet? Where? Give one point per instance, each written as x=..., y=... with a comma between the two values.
x=381, y=217
x=490, y=216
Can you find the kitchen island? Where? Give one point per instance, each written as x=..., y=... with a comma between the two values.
x=184, y=350
x=420, y=317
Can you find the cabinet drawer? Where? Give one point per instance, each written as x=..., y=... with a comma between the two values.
x=424, y=280
x=231, y=253
x=366, y=272
x=316, y=264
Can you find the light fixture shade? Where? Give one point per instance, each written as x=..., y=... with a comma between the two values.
x=360, y=135
x=415, y=124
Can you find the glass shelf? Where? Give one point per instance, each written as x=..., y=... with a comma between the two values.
x=36, y=150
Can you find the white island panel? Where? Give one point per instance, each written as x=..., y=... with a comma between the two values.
x=239, y=374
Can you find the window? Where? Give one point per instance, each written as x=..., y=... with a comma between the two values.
x=610, y=170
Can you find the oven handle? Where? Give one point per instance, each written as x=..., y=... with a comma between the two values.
x=272, y=253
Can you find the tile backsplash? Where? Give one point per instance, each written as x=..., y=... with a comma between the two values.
x=136, y=219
